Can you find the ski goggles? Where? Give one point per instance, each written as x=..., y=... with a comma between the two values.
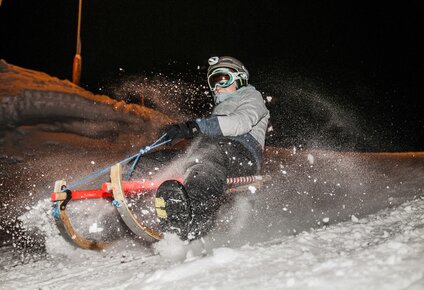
x=222, y=78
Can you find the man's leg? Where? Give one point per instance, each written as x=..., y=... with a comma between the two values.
x=191, y=208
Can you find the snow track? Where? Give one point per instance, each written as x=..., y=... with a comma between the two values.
x=381, y=251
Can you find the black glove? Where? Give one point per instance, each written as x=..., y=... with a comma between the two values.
x=181, y=131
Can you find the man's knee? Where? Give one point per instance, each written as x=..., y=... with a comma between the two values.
x=205, y=180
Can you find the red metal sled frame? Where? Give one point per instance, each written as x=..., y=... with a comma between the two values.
x=129, y=188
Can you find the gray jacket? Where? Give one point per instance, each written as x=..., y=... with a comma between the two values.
x=241, y=114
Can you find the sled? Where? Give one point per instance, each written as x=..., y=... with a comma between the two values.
x=118, y=192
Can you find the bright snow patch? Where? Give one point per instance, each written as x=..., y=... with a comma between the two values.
x=311, y=159
x=94, y=229
x=252, y=189
x=380, y=251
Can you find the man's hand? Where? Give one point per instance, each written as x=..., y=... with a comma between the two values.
x=181, y=131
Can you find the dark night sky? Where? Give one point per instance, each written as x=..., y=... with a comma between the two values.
x=377, y=44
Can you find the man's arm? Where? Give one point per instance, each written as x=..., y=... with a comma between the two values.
x=239, y=122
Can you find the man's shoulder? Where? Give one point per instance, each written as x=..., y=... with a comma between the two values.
x=250, y=93
x=248, y=88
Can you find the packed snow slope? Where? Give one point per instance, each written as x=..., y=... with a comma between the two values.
x=381, y=251
x=309, y=228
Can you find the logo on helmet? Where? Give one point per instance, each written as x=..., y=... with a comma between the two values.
x=213, y=60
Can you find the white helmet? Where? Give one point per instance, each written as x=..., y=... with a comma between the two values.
x=225, y=70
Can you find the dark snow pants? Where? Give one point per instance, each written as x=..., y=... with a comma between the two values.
x=209, y=162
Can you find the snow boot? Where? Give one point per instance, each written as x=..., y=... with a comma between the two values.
x=173, y=208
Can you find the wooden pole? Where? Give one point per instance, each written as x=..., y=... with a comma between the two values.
x=77, y=66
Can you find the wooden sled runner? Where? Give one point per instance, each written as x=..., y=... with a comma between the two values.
x=119, y=192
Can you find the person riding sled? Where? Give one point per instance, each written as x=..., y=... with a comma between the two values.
x=229, y=143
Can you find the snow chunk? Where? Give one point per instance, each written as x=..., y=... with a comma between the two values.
x=94, y=229
x=252, y=189
x=171, y=247
x=393, y=260
x=290, y=282
x=311, y=159
x=224, y=255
